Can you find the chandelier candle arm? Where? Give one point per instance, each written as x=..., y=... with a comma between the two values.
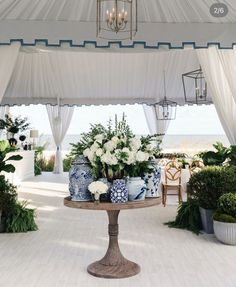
x=118, y=18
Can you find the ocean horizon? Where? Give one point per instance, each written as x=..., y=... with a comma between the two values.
x=189, y=144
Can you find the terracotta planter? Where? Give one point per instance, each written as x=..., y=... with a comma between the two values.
x=225, y=232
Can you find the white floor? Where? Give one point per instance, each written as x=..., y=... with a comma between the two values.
x=69, y=239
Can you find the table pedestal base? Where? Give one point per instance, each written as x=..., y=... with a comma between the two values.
x=113, y=264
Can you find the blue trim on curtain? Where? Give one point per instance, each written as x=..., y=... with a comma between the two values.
x=117, y=43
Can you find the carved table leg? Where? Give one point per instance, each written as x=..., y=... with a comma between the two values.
x=113, y=264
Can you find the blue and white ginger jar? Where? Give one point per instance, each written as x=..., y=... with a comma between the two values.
x=153, y=181
x=119, y=191
x=137, y=188
x=80, y=176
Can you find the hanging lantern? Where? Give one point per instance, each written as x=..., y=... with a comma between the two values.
x=165, y=109
x=196, y=80
x=116, y=19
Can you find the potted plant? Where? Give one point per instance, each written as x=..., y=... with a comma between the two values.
x=7, y=200
x=225, y=219
x=13, y=126
x=207, y=186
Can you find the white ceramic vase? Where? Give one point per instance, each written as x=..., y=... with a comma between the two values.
x=225, y=232
x=136, y=188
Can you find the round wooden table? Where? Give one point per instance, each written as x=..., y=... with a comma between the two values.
x=113, y=264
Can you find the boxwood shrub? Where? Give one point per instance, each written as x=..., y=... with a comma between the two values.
x=210, y=183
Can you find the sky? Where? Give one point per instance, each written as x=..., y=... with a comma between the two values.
x=190, y=120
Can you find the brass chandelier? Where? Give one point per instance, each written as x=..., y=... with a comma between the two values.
x=116, y=19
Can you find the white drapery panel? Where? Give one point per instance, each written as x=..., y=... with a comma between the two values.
x=59, y=118
x=220, y=90
x=155, y=126
x=228, y=61
x=8, y=57
x=3, y=111
x=98, y=78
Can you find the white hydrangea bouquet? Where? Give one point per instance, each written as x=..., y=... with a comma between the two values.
x=117, y=152
x=97, y=188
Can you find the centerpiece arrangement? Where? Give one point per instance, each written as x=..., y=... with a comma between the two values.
x=116, y=157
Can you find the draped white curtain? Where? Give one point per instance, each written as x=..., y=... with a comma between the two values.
x=117, y=78
x=8, y=57
x=228, y=61
x=59, y=118
x=3, y=111
x=221, y=93
x=155, y=126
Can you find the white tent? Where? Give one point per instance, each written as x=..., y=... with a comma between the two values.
x=49, y=54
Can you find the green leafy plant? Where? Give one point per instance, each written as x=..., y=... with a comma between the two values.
x=14, y=125
x=8, y=196
x=21, y=219
x=217, y=157
x=4, y=150
x=188, y=217
x=207, y=185
x=18, y=218
x=226, y=208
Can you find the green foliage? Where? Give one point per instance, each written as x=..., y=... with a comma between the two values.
x=217, y=157
x=232, y=155
x=227, y=204
x=207, y=185
x=188, y=217
x=4, y=150
x=18, y=217
x=222, y=217
x=8, y=195
x=172, y=155
x=67, y=163
x=21, y=219
x=38, y=160
x=14, y=125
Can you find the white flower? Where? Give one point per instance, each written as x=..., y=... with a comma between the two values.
x=98, y=187
x=115, y=139
x=126, y=150
x=110, y=146
x=141, y=156
x=91, y=156
x=109, y=159
x=135, y=143
x=99, y=138
x=99, y=152
x=131, y=158
x=94, y=147
x=86, y=152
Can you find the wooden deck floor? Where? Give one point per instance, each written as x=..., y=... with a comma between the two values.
x=68, y=240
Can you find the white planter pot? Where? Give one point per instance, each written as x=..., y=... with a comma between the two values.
x=136, y=189
x=225, y=232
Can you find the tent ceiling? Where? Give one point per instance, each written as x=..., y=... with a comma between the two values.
x=98, y=78
x=84, y=10
x=160, y=21
x=165, y=11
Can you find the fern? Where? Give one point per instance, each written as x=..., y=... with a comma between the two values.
x=188, y=217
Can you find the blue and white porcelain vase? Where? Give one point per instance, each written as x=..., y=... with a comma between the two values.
x=119, y=191
x=136, y=188
x=153, y=181
x=80, y=176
